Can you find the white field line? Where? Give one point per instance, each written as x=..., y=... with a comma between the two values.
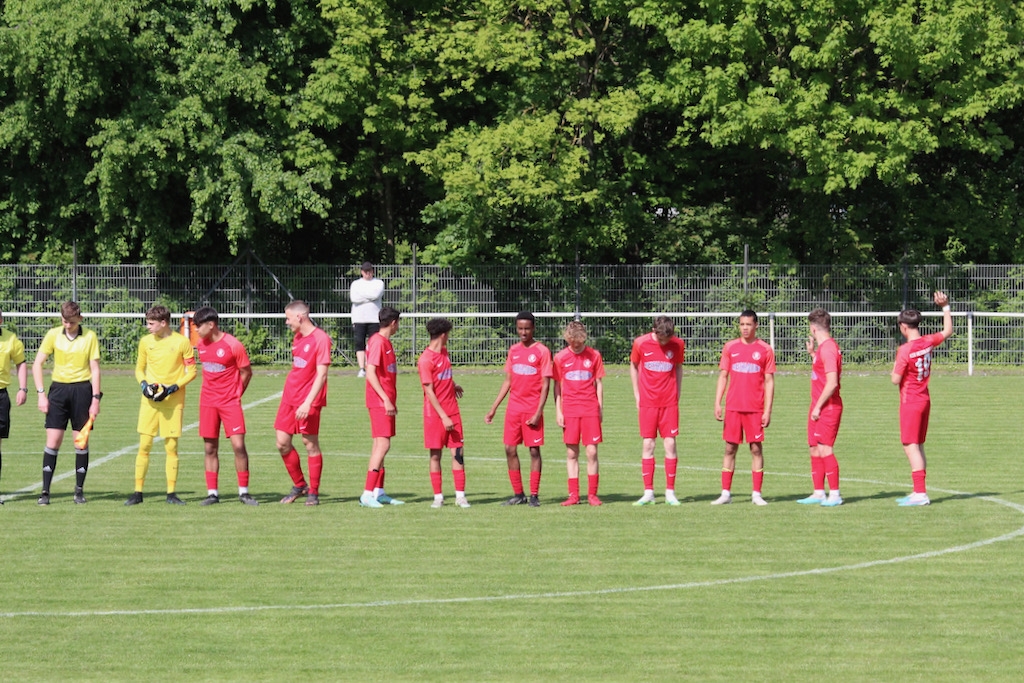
x=124, y=451
x=563, y=594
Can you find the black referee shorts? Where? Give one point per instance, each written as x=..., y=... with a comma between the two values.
x=69, y=402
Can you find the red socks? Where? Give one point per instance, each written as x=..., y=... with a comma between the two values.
x=647, y=469
x=294, y=467
x=516, y=479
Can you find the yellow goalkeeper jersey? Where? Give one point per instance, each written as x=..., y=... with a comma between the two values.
x=167, y=360
x=71, y=357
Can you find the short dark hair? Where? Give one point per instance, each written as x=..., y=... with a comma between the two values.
x=158, y=312
x=526, y=315
x=664, y=326
x=388, y=315
x=206, y=314
x=438, y=326
x=821, y=318
x=749, y=313
x=70, y=309
x=366, y=266
x=910, y=317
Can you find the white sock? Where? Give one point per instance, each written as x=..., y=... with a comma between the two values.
x=212, y=492
x=242, y=490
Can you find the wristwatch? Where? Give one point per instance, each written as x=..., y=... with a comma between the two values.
x=23, y=389
x=40, y=391
x=98, y=396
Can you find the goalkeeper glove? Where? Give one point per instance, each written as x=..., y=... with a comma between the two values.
x=165, y=391
x=148, y=390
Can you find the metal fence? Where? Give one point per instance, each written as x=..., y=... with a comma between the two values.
x=616, y=302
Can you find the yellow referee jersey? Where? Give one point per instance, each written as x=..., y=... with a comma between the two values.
x=12, y=353
x=167, y=360
x=71, y=357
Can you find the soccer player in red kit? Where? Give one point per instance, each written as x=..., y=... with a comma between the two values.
x=382, y=402
x=579, y=408
x=305, y=395
x=656, y=371
x=826, y=410
x=911, y=373
x=527, y=381
x=442, y=423
x=747, y=367
x=226, y=375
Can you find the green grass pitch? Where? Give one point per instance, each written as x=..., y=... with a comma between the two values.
x=867, y=591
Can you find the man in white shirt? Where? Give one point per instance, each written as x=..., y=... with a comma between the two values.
x=367, y=294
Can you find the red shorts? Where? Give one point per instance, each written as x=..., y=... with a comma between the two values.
x=738, y=425
x=436, y=436
x=288, y=423
x=211, y=417
x=659, y=421
x=585, y=429
x=824, y=431
x=914, y=421
x=381, y=424
x=518, y=432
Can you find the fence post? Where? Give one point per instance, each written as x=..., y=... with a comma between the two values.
x=771, y=330
x=415, y=276
x=970, y=343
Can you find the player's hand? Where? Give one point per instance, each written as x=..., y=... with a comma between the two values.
x=389, y=408
x=489, y=417
x=535, y=419
x=148, y=390
x=448, y=423
x=162, y=391
x=815, y=413
x=766, y=420
x=719, y=413
x=44, y=404
x=171, y=389
x=458, y=391
x=940, y=299
x=302, y=412
x=20, y=398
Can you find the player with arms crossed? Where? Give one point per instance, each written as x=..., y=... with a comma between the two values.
x=579, y=408
x=656, y=371
x=74, y=392
x=226, y=375
x=747, y=368
x=12, y=351
x=166, y=364
x=304, y=396
x=911, y=373
x=527, y=382
x=826, y=410
x=382, y=403
x=442, y=423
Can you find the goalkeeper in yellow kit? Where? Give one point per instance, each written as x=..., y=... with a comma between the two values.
x=165, y=365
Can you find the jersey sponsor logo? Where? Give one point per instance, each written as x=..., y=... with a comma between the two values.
x=523, y=369
x=392, y=368
x=658, y=366
x=213, y=367
x=445, y=374
x=746, y=368
x=578, y=375
x=299, y=362
x=814, y=375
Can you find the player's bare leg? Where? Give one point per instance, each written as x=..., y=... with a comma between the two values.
x=728, y=469
x=671, y=465
x=756, y=473
x=536, y=466
x=572, y=468
x=593, y=474
x=515, y=475
x=647, y=466
x=918, y=470
x=459, y=475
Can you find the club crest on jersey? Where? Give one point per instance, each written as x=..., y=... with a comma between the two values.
x=587, y=363
x=220, y=353
x=532, y=358
x=756, y=355
x=305, y=349
x=670, y=354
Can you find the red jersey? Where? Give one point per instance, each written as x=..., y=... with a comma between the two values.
x=828, y=358
x=657, y=365
x=577, y=375
x=436, y=368
x=747, y=365
x=221, y=362
x=307, y=353
x=381, y=354
x=914, y=362
x=528, y=367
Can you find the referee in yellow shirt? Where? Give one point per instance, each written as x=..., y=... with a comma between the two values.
x=74, y=391
x=12, y=353
x=165, y=365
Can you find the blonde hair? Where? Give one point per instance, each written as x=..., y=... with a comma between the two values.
x=575, y=331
